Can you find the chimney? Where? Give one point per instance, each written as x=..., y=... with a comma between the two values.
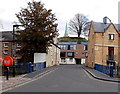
x=105, y=20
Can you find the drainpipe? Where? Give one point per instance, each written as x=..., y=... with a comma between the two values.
x=102, y=49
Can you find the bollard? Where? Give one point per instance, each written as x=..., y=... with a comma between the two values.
x=111, y=71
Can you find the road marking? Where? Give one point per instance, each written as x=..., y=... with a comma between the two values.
x=29, y=81
x=97, y=79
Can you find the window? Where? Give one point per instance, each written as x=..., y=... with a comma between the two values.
x=111, y=36
x=71, y=47
x=62, y=54
x=70, y=54
x=83, y=53
x=71, y=59
x=17, y=50
x=68, y=47
x=76, y=53
x=5, y=52
x=63, y=47
x=63, y=60
x=6, y=44
x=18, y=44
x=86, y=54
x=85, y=47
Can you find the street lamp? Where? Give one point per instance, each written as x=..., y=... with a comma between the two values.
x=14, y=48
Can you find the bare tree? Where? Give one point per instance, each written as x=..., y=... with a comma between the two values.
x=79, y=25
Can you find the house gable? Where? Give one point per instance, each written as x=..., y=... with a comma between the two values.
x=111, y=30
x=113, y=27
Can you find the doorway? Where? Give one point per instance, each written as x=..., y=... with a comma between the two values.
x=78, y=61
x=110, y=53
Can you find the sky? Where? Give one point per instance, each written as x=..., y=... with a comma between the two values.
x=64, y=10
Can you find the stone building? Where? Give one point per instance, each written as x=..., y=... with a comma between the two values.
x=103, y=44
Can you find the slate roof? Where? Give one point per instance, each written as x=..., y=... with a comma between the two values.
x=101, y=27
x=6, y=36
x=117, y=26
x=67, y=43
x=84, y=43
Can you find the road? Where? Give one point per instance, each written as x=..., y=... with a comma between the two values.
x=67, y=78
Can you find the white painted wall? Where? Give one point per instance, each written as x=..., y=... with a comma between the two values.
x=82, y=61
x=39, y=57
x=68, y=61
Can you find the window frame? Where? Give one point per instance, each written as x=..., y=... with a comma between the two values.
x=6, y=43
x=62, y=54
x=63, y=60
x=18, y=44
x=70, y=55
x=5, y=52
x=111, y=36
x=71, y=59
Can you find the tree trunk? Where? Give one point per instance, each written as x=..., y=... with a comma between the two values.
x=78, y=34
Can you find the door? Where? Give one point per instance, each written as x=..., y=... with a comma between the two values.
x=110, y=53
x=78, y=61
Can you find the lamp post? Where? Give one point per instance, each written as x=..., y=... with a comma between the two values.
x=14, y=48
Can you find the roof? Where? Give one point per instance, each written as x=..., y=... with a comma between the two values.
x=117, y=26
x=67, y=43
x=84, y=43
x=101, y=27
x=6, y=36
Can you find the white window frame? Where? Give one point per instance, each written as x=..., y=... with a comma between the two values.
x=17, y=50
x=63, y=60
x=71, y=59
x=6, y=43
x=86, y=54
x=18, y=44
x=5, y=52
x=63, y=47
x=111, y=36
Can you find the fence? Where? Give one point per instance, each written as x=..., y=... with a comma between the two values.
x=118, y=71
x=38, y=66
x=22, y=68
x=105, y=69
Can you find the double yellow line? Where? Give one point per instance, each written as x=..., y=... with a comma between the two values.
x=28, y=81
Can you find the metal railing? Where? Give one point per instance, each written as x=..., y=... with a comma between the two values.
x=111, y=57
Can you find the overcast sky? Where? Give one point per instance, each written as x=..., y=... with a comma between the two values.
x=64, y=10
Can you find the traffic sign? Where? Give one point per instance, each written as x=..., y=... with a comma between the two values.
x=8, y=61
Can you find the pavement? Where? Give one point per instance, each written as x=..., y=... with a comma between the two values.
x=13, y=81
x=99, y=75
x=19, y=79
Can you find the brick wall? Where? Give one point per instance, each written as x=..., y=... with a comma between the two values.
x=98, y=46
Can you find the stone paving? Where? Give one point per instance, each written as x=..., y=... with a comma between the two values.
x=101, y=76
x=12, y=81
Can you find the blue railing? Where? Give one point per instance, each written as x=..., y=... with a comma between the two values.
x=104, y=69
x=22, y=68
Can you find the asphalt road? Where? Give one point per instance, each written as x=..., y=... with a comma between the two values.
x=67, y=78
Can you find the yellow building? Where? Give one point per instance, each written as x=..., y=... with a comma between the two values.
x=53, y=55
x=103, y=44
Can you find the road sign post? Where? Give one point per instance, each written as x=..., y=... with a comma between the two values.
x=7, y=74
x=7, y=61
